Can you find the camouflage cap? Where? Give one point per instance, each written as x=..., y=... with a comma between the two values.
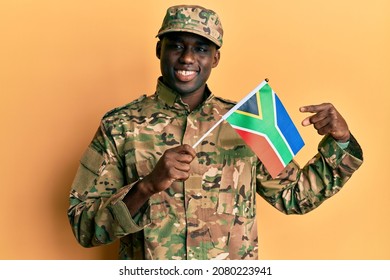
x=193, y=19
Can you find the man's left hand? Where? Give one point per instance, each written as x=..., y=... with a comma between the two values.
x=327, y=120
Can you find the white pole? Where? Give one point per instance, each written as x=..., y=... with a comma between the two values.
x=224, y=117
x=207, y=133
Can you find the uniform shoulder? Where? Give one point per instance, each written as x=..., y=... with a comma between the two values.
x=226, y=102
x=129, y=106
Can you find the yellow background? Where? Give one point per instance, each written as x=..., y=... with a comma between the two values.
x=63, y=64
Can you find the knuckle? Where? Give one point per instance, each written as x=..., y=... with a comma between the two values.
x=190, y=158
x=332, y=111
x=171, y=173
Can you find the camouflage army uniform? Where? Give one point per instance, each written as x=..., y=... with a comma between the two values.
x=212, y=215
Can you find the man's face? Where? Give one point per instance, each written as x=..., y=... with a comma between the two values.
x=186, y=61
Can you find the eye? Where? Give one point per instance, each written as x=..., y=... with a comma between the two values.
x=202, y=49
x=177, y=46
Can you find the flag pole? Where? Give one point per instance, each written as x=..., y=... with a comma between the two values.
x=217, y=123
x=207, y=133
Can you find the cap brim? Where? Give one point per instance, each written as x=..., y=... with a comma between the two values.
x=210, y=38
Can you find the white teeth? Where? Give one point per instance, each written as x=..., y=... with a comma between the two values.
x=185, y=73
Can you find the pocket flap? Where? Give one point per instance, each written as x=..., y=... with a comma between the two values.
x=92, y=160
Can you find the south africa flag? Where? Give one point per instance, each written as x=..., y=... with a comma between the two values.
x=264, y=124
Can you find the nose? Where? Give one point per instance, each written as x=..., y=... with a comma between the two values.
x=187, y=56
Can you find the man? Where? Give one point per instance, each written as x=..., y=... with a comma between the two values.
x=141, y=181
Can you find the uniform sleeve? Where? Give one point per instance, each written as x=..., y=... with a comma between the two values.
x=97, y=213
x=298, y=191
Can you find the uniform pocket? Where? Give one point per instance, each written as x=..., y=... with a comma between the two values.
x=91, y=163
x=157, y=202
x=237, y=191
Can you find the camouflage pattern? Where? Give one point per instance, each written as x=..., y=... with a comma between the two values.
x=212, y=215
x=193, y=19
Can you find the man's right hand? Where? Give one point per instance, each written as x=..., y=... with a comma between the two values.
x=174, y=165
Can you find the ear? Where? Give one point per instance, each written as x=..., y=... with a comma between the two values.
x=216, y=58
x=158, y=49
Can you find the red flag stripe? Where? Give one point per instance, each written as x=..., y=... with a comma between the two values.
x=261, y=146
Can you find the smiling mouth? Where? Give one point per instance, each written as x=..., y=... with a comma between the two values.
x=185, y=75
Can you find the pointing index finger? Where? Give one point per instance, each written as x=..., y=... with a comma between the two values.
x=308, y=108
x=313, y=108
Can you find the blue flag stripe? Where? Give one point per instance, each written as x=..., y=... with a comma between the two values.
x=287, y=127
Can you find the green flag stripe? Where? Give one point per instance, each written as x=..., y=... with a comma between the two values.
x=264, y=126
x=259, y=127
x=267, y=104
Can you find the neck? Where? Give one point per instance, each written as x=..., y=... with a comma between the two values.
x=194, y=100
